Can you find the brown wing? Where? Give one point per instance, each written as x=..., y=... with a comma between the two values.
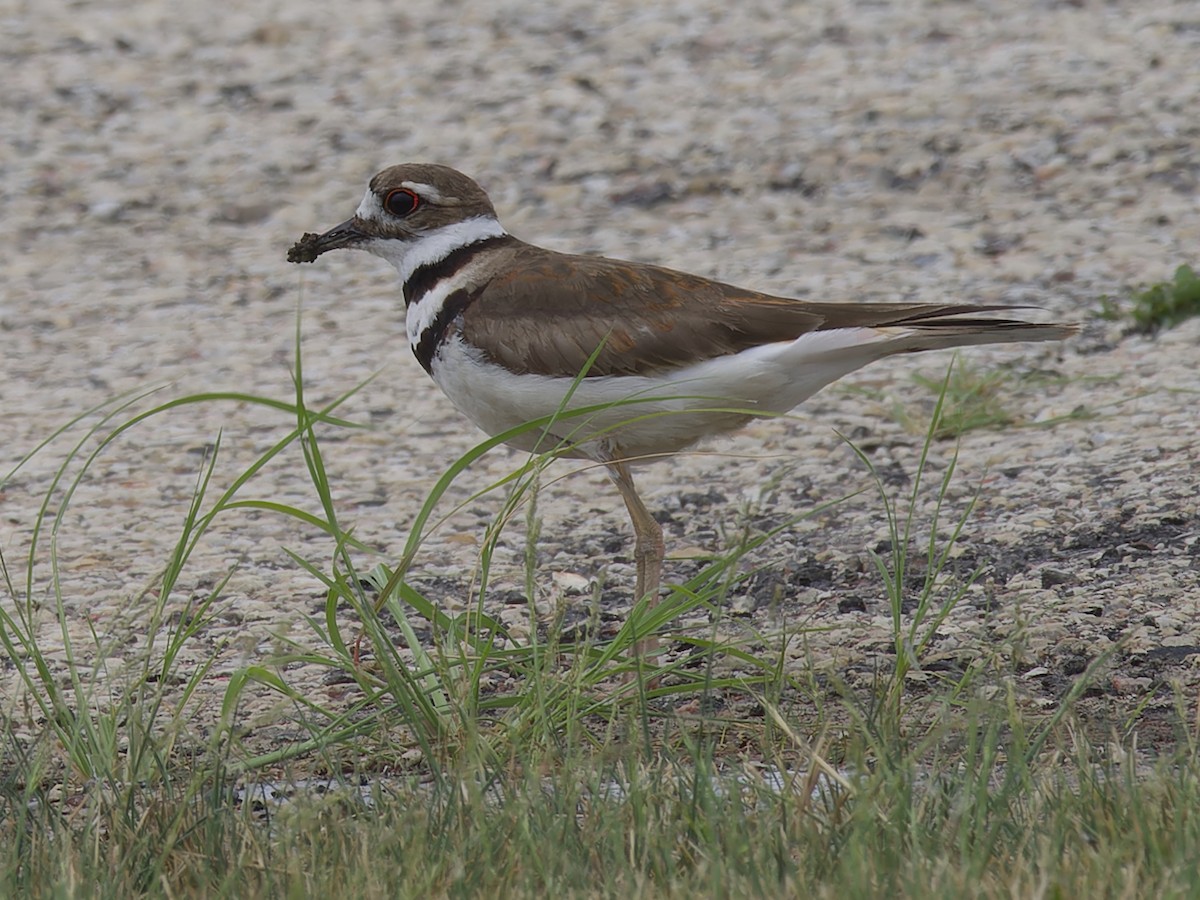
x=547, y=312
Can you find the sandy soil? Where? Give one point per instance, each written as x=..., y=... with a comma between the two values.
x=160, y=159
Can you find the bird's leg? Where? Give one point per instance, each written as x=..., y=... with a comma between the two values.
x=648, y=550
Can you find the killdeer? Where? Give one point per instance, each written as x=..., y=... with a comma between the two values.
x=512, y=332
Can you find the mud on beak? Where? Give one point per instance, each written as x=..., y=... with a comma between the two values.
x=310, y=246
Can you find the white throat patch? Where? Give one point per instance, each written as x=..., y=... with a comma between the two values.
x=408, y=256
x=430, y=250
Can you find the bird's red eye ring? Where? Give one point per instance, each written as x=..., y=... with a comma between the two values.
x=401, y=202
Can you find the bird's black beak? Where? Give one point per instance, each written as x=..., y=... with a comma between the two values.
x=310, y=246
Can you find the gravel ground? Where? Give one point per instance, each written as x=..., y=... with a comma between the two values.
x=159, y=160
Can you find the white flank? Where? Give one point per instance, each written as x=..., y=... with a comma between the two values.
x=679, y=408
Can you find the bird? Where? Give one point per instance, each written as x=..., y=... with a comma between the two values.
x=659, y=359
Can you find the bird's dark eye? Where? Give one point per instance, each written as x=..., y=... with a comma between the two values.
x=401, y=202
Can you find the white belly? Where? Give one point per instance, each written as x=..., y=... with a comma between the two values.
x=648, y=415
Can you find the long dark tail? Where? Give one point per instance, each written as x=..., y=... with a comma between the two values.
x=913, y=327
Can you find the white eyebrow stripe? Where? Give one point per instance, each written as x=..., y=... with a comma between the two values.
x=425, y=191
x=371, y=207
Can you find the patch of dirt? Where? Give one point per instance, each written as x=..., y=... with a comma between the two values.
x=164, y=159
